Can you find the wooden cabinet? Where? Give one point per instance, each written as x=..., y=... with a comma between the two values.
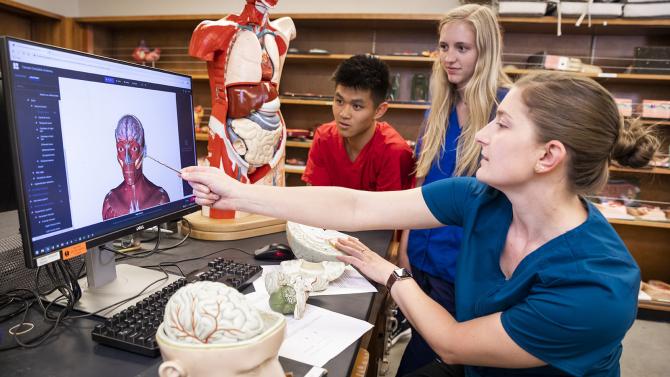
x=303, y=73
x=394, y=38
x=610, y=44
x=117, y=37
x=26, y=22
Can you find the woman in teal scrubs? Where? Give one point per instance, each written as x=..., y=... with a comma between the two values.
x=544, y=285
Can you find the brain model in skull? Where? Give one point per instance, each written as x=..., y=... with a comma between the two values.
x=207, y=312
x=313, y=244
x=211, y=327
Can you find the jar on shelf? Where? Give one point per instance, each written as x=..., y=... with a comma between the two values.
x=395, y=87
x=419, y=87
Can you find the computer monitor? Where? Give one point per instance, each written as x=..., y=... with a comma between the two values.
x=93, y=143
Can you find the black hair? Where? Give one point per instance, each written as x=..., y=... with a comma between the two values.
x=364, y=72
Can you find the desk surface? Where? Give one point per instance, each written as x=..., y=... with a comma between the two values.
x=71, y=352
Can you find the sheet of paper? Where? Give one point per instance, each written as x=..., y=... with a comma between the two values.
x=316, y=372
x=319, y=336
x=350, y=282
x=643, y=296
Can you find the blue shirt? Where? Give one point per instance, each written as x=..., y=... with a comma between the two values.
x=568, y=303
x=434, y=251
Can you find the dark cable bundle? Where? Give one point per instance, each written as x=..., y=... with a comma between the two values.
x=14, y=302
x=22, y=288
x=156, y=249
x=15, y=275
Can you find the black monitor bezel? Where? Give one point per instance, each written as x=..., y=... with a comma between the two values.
x=24, y=224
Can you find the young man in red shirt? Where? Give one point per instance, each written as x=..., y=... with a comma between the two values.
x=356, y=150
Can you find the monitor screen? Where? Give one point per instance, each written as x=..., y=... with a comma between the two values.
x=94, y=144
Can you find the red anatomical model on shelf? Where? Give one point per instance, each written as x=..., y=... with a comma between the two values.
x=245, y=54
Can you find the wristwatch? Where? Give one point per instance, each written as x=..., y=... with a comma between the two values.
x=397, y=274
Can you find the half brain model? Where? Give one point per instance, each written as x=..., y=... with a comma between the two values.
x=313, y=244
x=210, y=313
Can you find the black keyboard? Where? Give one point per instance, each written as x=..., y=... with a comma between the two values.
x=134, y=329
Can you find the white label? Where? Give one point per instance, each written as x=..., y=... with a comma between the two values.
x=41, y=261
x=607, y=75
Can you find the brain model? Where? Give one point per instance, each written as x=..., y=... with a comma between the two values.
x=207, y=312
x=313, y=244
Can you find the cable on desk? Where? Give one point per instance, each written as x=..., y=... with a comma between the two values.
x=190, y=229
x=57, y=272
x=174, y=263
x=165, y=265
x=155, y=250
x=138, y=254
x=119, y=303
x=70, y=291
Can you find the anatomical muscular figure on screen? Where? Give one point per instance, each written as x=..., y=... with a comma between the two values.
x=136, y=192
x=245, y=54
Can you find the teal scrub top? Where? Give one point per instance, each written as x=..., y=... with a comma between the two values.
x=568, y=303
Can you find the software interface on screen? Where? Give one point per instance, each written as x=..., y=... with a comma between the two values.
x=96, y=138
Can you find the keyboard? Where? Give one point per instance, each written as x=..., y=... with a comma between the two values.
x=134, y=329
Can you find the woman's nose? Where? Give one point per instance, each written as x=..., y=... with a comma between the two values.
x=481, y=135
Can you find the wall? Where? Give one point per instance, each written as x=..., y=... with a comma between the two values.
x=68, y=8
x=93, y=8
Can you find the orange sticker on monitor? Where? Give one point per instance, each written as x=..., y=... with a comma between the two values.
x=74, y=250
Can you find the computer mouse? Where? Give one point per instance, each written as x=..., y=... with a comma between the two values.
x=275, y=252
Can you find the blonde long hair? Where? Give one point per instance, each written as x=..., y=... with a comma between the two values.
x=480, y=92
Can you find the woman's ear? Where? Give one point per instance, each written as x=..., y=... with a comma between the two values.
x=554, y=153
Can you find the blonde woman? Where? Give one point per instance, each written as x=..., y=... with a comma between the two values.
x=466, y=84
x=545, y=285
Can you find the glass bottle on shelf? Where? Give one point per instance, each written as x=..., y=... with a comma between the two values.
x=419, y=87
x=395, y=87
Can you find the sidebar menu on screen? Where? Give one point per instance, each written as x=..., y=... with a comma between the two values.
x=36, y=96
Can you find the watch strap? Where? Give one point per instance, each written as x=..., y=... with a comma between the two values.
x=396, y=275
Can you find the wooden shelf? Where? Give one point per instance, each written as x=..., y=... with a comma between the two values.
x=290, y=169
x=336, y=58
x=599, y=26
x=28, y=10
x=299, y=144
x=657, y=122
x=308, y=102
x=362, y=16
x=654, y=170
x=624, y=77
x=551, y=20
x=644, y=223
x=316, y=102
x=509, y=24
x=629, y=77
x=654, y=305
x=201, y=136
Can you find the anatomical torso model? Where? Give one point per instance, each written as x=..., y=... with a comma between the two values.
x=245, y=54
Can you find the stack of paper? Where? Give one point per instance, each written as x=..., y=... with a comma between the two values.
x=319, y=336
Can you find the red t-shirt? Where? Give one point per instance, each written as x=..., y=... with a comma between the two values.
x=384, y=164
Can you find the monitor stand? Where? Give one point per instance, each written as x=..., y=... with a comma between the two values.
x=106, y=284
